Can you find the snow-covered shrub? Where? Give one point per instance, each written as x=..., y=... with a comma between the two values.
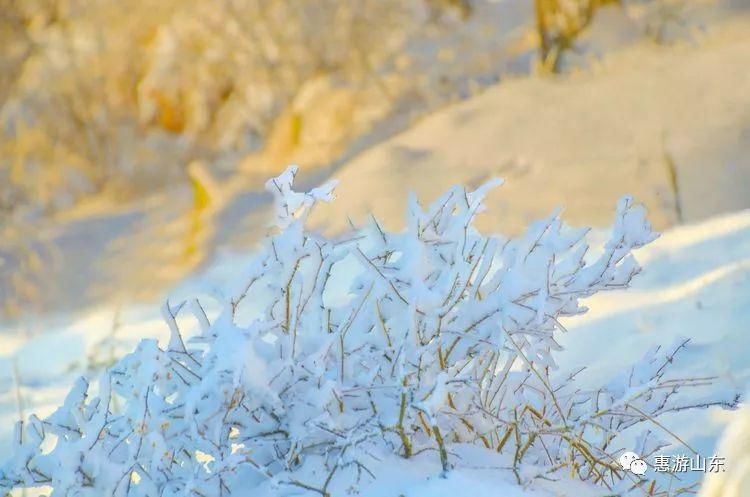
x=332, y=353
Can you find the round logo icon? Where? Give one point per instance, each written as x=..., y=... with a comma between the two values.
x=638, y=467
x=626, y=460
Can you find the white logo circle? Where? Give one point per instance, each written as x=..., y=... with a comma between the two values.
x=626, y=460
x=638, y=467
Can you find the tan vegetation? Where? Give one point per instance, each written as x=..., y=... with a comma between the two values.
x=121, y=95
x=559, y=23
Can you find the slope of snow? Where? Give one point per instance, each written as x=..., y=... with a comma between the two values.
x=582, y=140
x=695, y=284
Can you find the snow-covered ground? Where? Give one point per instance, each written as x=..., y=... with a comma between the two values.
x=695, y=284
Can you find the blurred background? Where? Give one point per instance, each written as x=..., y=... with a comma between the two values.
x=136, y=136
